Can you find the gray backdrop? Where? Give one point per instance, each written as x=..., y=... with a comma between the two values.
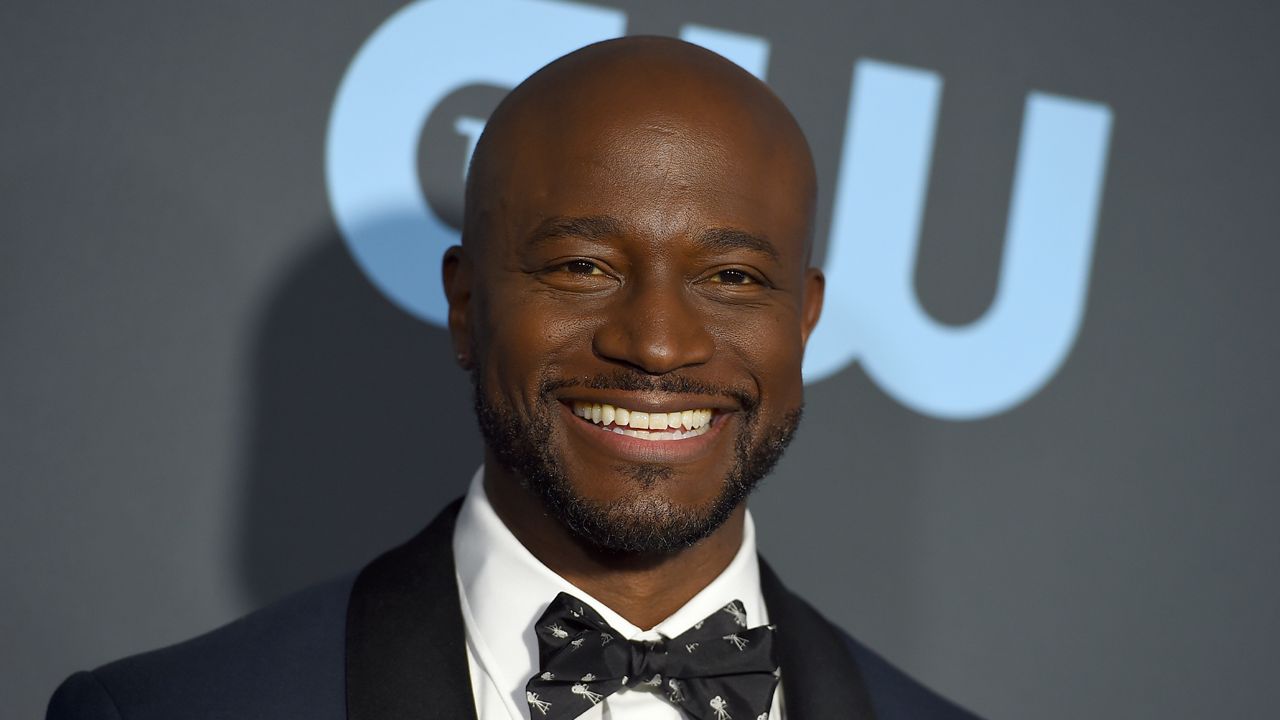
x=204, y=404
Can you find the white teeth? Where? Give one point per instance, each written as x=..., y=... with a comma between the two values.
x=648, y=426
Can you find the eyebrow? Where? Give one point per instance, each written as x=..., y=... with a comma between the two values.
x=722, y=239
x=598, y=227
x=601, y=227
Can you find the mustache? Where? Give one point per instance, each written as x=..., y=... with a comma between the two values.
x=632, y=381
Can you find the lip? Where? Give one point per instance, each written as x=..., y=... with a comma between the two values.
x=651, y=402
x=644, y=451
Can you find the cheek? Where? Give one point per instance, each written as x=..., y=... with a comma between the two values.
x=768, y=346
x=528, y=338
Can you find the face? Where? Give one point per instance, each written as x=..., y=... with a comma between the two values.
x=636, y=322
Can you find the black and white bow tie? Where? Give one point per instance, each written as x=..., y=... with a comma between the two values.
x=717, y=670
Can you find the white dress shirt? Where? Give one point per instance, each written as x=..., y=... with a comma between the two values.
x=504, y=589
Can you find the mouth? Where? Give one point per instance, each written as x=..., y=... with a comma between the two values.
x=649, y=427
x=642, y=425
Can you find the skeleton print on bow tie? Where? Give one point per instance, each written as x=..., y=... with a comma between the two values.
x=718, y=669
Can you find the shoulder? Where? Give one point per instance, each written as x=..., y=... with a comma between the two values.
x=836, y=671
x=896, y=695
x=286, y=660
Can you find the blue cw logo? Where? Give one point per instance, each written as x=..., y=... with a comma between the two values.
x=431, y=48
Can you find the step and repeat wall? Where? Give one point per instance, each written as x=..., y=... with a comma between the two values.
x=1039, y=455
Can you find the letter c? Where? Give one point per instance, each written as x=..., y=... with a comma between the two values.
x=415, y=59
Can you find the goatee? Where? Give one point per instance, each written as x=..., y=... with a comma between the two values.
x=641, y=522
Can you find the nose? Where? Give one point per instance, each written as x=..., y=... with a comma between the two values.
x=655, y=329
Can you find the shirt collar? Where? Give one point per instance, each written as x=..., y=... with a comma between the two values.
x=504, y=589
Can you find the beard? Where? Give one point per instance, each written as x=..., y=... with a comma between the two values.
x=641, y=522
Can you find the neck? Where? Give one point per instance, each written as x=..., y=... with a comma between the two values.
x=644, y=589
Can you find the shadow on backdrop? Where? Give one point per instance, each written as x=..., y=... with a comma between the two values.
x=360, y=428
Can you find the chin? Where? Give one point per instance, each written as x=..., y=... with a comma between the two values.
x=642, y=518
x=621, y=494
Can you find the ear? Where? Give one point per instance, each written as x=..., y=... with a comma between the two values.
x=815, y=286
x=456, y=272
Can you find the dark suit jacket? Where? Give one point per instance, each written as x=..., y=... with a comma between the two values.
x=389, y=644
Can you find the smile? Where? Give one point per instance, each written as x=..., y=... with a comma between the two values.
x=679, y=425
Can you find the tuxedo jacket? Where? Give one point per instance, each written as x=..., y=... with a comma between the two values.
x=389, y=644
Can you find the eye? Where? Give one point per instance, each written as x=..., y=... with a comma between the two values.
x=733, y=276
x=582, y=267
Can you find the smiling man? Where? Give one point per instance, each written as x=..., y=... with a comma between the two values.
x=632, y=298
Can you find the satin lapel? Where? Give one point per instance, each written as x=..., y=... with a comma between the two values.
x=820, y=679
x=406, y=646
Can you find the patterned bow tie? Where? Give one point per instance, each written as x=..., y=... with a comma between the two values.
x=718, y=670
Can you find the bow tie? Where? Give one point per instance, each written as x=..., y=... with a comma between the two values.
x=717, y=670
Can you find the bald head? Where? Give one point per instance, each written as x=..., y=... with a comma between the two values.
x=645, y=100
x=638, y=216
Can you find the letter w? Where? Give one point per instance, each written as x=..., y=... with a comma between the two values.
x=872, y=311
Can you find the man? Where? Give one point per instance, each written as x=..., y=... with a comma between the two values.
x=632, y=298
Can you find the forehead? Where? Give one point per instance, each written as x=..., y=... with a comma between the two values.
x=661, y=174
